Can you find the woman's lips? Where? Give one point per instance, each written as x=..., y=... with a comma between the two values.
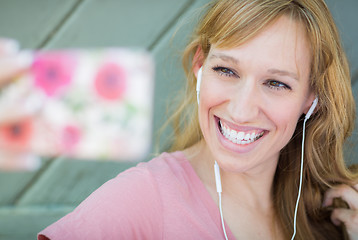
x=239, y=135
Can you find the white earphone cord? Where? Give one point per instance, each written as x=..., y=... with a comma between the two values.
x=218, y=186
x=301, y=180
x=219, y=190
x=222, y=217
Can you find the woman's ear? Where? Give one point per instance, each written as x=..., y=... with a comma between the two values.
x=198, y=61
x=309, y=102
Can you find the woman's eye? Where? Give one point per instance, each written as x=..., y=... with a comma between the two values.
x=277, y=85
x=224, y=71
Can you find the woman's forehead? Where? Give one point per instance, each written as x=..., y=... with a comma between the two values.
x=282, y=44
x=289, y=28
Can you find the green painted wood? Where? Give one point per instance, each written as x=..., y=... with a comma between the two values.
x=170, y=75
x=346, y=17
x=106, y=23
x=31, y=22
x=351, y=147
x=69, y=182
x=12, y=184
x=24, y=223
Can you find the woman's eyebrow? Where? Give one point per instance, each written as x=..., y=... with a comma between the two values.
x=229, y=58
x=225, y=57
x=283, y=73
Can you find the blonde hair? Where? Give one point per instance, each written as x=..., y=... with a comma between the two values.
x=230, y=23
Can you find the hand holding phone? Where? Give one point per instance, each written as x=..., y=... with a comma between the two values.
x=87, y=104
x=13, y=63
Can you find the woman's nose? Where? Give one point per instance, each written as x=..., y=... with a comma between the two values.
x=244, y=102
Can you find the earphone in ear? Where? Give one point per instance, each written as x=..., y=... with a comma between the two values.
x=308, y=115
x=198, y=83
x=312, y=108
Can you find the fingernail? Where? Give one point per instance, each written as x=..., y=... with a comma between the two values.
x=9, y=46
x=336, y=222
x=325, y=203
x=25, y=58
x=31, y=162
x=19, y=161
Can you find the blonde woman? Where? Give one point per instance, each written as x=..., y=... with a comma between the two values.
x=273, y=76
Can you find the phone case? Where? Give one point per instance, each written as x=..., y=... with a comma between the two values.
x=85, y=104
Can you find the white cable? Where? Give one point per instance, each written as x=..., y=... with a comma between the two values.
x=219, y=190
x=301, y=177
x=221, y=215
x=218, y=178
x=198, y=83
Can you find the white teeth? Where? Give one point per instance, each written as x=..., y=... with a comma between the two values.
x=240, y=138
x=233, y=134
x=253, y=135
x=247, y=137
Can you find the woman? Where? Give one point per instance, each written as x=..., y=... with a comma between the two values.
x=263, y=63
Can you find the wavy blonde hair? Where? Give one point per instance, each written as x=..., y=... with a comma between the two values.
x=231, y=23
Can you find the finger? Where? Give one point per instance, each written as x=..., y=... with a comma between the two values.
x=11, y=66
x=355, y=187
x=18, y=161
x=345, y=192
x=348, y=217
x=8, y=46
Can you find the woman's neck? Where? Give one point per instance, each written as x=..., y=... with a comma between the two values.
x=248, y=194
x=252, y=187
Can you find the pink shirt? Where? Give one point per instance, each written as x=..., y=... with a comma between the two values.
x=160, y=199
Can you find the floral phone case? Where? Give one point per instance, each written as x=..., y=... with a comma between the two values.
x=86, y=104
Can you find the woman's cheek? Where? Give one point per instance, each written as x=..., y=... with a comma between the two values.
x=213, y=92
x=285, y=117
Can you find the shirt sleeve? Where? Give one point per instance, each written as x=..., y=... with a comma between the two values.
x=126, y=207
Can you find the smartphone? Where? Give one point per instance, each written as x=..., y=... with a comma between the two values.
x=83, y=104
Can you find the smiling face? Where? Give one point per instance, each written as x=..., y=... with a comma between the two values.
x=252, y=96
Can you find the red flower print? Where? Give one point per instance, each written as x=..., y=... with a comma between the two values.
x=53, y=71
x=110, y=82
x=16, y=135
x=71, y=136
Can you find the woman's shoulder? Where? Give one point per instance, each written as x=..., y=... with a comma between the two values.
x=164, y=171
x=132, y=201
x=172, y=164
x=147, y=177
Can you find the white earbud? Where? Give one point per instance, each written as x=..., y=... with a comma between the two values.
x=217, y=178
x=198, y=83
x=308, y=115
x=313, y=106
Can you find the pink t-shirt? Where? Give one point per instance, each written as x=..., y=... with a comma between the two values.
x=160, y=199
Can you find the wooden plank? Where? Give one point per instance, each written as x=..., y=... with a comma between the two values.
x=351, y=147
x=345, y=14
x=69, y=182
x=346, y=17
x=106, y=23
x=170, y=75
x=31, y=22
x=25, y=223
x=11, y=184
